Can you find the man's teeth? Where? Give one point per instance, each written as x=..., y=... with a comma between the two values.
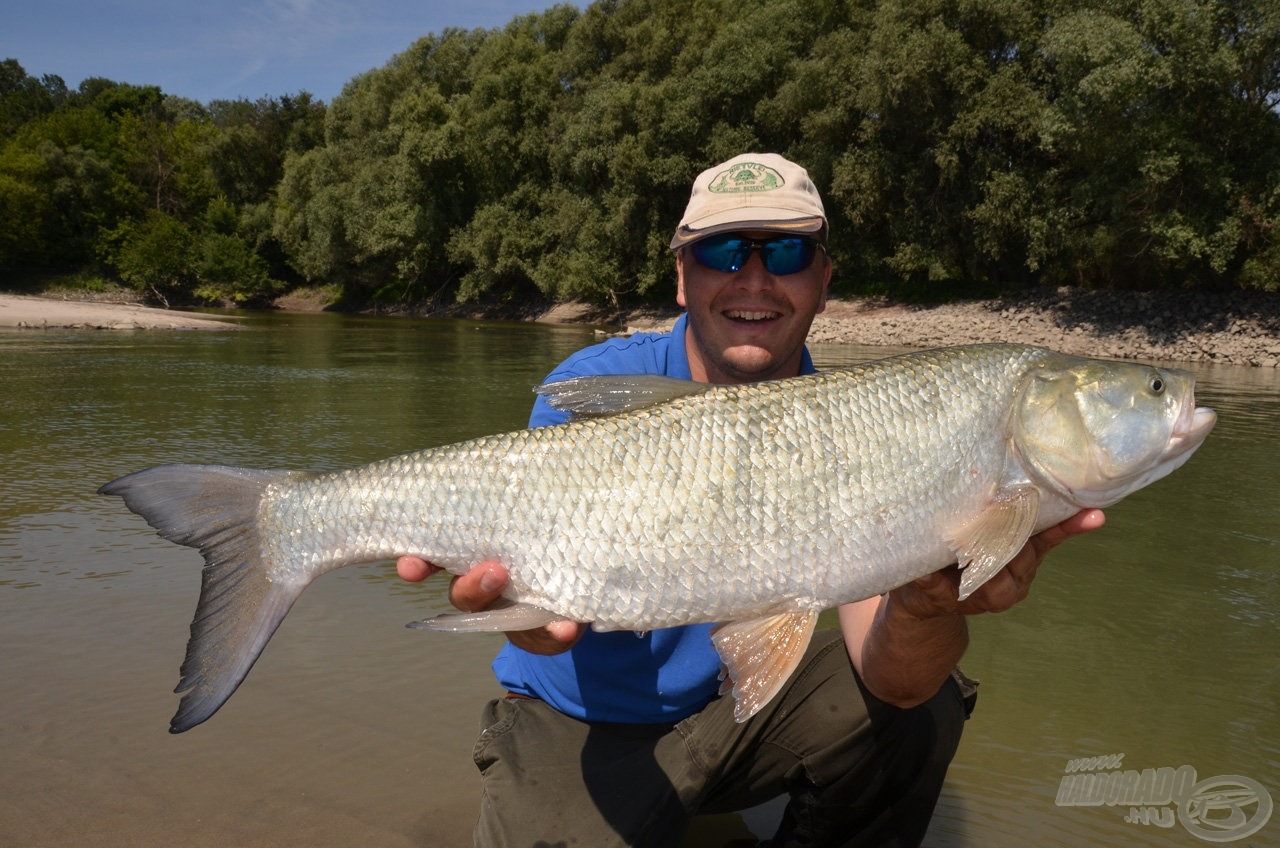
x=743, y=315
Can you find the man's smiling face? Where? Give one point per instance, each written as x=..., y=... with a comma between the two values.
x=748, y=325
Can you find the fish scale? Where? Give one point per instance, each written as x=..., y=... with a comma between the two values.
x=667, y=502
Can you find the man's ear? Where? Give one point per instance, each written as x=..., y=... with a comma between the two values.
x=680, y=278
x=826, y=281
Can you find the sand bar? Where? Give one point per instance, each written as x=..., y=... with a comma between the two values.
x=42, y=313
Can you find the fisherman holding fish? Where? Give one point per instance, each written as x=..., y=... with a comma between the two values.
x=620, y=738
x=710, y=497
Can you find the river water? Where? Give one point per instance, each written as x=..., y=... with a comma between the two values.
x=1155, y=638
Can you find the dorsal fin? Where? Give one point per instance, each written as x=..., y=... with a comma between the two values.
x=609, y=395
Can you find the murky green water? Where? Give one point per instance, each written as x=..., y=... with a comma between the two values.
x=1155, y=638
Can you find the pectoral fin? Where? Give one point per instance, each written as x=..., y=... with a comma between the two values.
x=759, y=655
x=513, y=617
x=986, y=543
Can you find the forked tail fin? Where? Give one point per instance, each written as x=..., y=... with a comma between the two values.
x=243, y=597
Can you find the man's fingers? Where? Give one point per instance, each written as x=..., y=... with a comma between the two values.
x=1081, y=522
x=566, y=632
x=414, y=569
x=479, y=587
x=555, y=638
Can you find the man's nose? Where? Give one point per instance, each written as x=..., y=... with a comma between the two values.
x=753, y=274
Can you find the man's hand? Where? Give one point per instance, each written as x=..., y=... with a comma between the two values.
x=935, y=594
x=480, y=587
x=905, y=643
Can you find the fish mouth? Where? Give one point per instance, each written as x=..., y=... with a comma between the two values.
x=1191, y=428
x=1192, y=425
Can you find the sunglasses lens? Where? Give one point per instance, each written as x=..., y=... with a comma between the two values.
x=785, y=256
x=781, y=256
x=722, y=253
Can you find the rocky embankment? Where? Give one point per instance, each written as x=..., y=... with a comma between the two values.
x=1238, y=329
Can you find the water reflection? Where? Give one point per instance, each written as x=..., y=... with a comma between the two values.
x=1154, y=637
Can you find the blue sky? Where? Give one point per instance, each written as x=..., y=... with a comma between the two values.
x=224, y=49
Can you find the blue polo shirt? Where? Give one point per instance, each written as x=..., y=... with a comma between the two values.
x=658, y=677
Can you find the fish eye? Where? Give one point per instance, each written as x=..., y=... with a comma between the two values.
x=1157, y=385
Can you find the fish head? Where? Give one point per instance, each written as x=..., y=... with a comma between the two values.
x=1094, y=431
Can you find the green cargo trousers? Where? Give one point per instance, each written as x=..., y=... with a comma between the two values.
x=858, y=771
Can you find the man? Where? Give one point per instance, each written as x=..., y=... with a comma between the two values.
x=620, y=738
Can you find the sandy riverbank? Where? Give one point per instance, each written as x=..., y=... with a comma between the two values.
x=1237, y=328
x=44, y=313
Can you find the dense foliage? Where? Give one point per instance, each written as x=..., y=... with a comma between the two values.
x=173, y=197
x=958, y=143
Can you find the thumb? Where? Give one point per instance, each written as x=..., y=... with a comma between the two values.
x=478, y=588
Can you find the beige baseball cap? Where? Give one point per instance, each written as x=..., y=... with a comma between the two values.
x=754, y=191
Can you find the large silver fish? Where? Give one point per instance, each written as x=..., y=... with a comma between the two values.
x=666, y=502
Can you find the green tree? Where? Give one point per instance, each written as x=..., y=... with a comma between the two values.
x=24, y=98
x=154, y=255
x=1014, y=143
x=373, y=208
x=61, y=204
x=246, y=156
x=24, y=207
x=227, y=270
x=639, y=98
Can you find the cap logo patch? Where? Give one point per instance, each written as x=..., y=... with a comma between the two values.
x=746, y=177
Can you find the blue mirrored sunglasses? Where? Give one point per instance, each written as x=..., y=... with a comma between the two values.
x=781, y=256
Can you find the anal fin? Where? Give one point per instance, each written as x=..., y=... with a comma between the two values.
x=759, y=655
x=511, y=617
